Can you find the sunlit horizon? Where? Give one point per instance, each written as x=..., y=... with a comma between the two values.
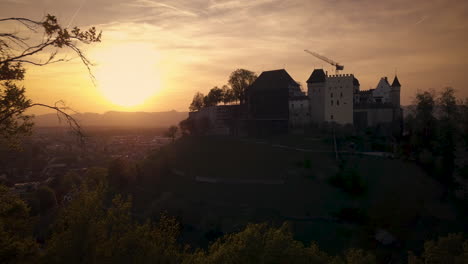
x=157, y=60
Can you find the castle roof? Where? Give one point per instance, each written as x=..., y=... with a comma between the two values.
x=276, y=80
x=396, y=83
x=317, y=76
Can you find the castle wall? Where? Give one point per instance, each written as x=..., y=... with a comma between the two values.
x=299, y=112
x=316, y=93
x=369, y=117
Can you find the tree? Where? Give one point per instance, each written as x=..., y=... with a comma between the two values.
x=197, y=102
x=88, y=231
x=16, y=51
x=239, y=80
x=464, y=121
x=452, y=248
x=214, y=97
x=172, y=132
x=425, y=120
x=447, y=131
x=260, y=243
x=16, y=242
x=228, y=95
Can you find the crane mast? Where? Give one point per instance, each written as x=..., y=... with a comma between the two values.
x=338, y=67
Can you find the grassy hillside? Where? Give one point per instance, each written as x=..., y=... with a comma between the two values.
x=399, y=197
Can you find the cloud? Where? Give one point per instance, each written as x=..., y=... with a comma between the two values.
x=158, y=5
x=203, y=40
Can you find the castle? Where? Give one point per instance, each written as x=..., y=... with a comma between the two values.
x=275, y=104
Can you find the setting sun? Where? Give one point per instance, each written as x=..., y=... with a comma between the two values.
x=127, y=74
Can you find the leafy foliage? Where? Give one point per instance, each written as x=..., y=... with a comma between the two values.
x=16, y=242
x=89, y=232
x=197, y=102
x=452, y=248
x=214, y=97
x=239, y=80
x=13, y=121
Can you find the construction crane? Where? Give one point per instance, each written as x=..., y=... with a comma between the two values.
x=338, y=67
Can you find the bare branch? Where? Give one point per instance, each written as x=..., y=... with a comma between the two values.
x=63, y=115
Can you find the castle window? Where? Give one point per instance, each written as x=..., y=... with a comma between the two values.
x=337, y=102
x=331, y=117
x=331, y=102
x=331, y=95
x=341, y=95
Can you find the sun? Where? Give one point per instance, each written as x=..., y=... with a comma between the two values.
x=127, y=74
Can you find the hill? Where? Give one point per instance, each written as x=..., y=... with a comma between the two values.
x=220, y=184
x=117, y=119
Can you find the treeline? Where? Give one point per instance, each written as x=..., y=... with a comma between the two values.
x=238, y=82
x=97, y=225
x=436, y=135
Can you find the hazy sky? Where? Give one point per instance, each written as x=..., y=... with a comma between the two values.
x=174, y=48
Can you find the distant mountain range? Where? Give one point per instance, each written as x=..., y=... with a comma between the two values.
x=117, y=119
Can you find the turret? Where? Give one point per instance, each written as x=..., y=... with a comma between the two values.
x=395, y=92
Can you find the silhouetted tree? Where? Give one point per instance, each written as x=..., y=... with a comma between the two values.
x=239, y=80
x=172, y=132
x=197, y=102
x=447, y=131
x=214, y=97
x=228, y=95
x=464, y=121
x=15, y=51
x=425, y=120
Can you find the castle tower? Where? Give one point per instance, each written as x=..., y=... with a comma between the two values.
x=331, y=97
x=316, y=89
x=395, y=93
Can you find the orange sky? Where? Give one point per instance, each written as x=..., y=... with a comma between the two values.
x=170, y=49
